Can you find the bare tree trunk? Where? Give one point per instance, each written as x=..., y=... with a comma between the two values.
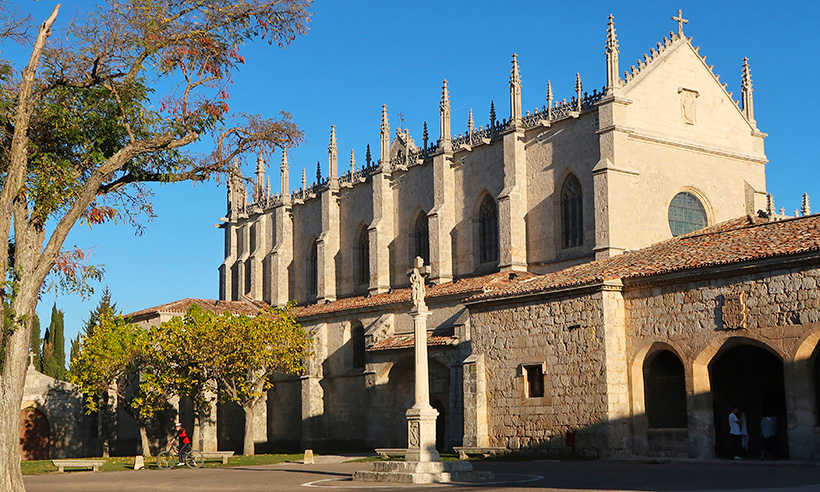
x=144, y=444
x=11, y=394
x=196, y=433
x=17, y=342
x=248, y=447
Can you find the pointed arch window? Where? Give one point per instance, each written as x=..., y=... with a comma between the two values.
x=421, y=239
x=313, y=270
x=357, y=340
x=572, y=213
x=488, y=231
x=363, y=259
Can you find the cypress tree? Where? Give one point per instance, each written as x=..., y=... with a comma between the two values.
x=54, y=346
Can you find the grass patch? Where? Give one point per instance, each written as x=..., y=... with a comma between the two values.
x=120, y=463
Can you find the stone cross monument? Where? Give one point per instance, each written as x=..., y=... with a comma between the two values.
x=421, y=463
x=421, y=418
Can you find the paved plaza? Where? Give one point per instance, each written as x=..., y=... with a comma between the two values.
x=646, y=475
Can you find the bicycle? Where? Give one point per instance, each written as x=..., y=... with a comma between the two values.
x=168, y=459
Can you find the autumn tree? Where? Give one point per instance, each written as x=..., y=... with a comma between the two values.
x=53, y=355
x=103, y=105
x=112, y=359
x=250, y=351
x=184, y=348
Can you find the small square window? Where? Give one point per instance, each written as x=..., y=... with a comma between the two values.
x=535, y=381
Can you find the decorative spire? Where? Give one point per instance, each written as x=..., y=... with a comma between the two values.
x=233, y=187
x=515, y=92
x=770, y=205
x=578, y=89
x=267, y=190
x=352, y=162
x=444, y=115
x=284, y=176
x=492, y=114
x=681, y=21
x=549, y=100
x=612, y=77
x=470, y=123
x=804, y=208
x=260, y=178
x=318, y=173
x=367, y=156
x=425, y=136
x=384, y=133
x=304, y=179
x=746, y=92
x=333, y=159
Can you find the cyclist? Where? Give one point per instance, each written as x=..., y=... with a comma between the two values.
x=184, y=442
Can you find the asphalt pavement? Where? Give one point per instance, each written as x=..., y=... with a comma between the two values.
x=519, y=476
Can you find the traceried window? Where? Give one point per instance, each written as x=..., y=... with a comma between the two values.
x=313, y=270
x=686, y=214
x=535, y=380
x=357, y=340
x=488, y=231
x=363, y=259
x=421, y=239
x=572, y=213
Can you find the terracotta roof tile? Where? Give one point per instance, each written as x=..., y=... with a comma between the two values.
x=733, y=241
x=247, y=307
x=406, y=340
x=463, y=287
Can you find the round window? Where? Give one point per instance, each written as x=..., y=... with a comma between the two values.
x=686, y=214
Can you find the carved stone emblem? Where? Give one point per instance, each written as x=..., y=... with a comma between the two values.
x=734, y=311
x=413, y=436
x=687, y=105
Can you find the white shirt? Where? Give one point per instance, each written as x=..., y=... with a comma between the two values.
x=734, y=425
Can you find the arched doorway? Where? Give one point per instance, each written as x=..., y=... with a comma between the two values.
x=665, y=391
x=34, y=434
x=751, y=378
x=402, y=397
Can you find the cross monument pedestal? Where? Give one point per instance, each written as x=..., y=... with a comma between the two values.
x=421, y=463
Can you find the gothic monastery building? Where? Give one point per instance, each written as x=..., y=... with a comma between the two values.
x=608, y=275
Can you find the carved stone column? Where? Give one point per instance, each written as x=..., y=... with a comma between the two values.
x=421, y=418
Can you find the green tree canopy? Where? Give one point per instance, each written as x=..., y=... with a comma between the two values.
x=112, y=359
x=232, y=355
x=250, y=351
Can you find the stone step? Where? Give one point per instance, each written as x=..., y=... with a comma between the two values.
x=421, y=467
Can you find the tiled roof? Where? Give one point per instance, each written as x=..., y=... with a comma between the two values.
x=406, y=340
x=463, y=287
x=247, y=307
x=738, y=240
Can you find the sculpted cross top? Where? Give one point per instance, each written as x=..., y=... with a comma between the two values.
x=681, y=21
x=417, y=275
x=31, y=358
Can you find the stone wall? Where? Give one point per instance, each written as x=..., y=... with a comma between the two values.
x=565, y=335
x=780, y=314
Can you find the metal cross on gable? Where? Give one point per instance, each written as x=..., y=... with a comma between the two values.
x=401, y=117
x=680, y=20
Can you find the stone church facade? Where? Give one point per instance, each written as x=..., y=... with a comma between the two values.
x=562, y=319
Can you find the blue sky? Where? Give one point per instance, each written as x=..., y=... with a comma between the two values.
x=359, y=55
